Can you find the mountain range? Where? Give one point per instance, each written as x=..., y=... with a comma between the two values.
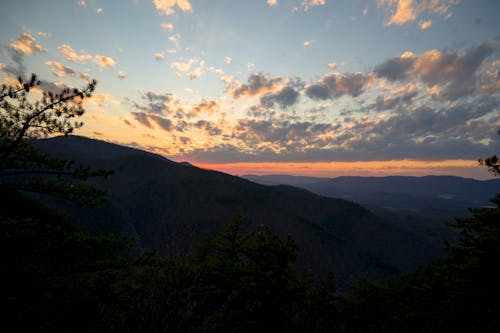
x=169, y=207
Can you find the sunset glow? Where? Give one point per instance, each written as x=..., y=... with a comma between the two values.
x=320, y=88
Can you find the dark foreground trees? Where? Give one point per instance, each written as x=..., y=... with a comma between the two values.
x=27, y=113
x=56, y=277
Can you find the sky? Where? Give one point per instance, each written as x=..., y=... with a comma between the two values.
x=304, y=87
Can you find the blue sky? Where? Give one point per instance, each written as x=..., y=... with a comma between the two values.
x=317, y=87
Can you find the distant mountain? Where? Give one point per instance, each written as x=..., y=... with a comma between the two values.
x=168, y=207
x=438, y=195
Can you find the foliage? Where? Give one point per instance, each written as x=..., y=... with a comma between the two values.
x=492, y=163
x=22, y=166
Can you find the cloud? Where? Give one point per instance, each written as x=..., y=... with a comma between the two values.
x=159, y=56
x=85, y=77
x=196, y=73
x=454, y=74
x=209, y=127
x=44, y=34
x=26, y=44
x=306, y=5
x=284, y=98
x=104, y=61
x=142, y=118
x=226, y=79
x=308, y=42
x=215, y=70
x=167, y=6
x=207, y=107
x=160, y=104
x=121, y=74
x=272, y=2
x=396, y=99
x=228, y=60
x=424, y=25
x=70, y=54
x=82, y=3
x=59, y=69
x=257, y=84
x=100, y=60
x=163, y=123
x=405, y=11
x=192, y=67
x=396, y=68
x=167, y=26
x=335, y=85
x=174, y=39
x=99, y=10
x=332, y=65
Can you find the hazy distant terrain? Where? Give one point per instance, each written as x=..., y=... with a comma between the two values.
x=430, y=196
x=169, y=206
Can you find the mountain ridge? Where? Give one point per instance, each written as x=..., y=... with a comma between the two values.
x=168, y=206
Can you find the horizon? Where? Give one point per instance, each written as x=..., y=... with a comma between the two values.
x=318, y=88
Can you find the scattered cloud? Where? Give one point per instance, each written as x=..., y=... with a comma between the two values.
x=257, y=84
x=26, y=44
x=306, y=5
x=85, y=77
x=215, y=70
x=99, y=10
x=182, y=66
x=82, y=3
x=226, y=79
x=406, y=11
x=284, y=98
x=334, y=85
x=228, y=60
x=121, y=74
x=193, y=67
x=104, y=61
x=308, y=42
x=159, y=56
x=332, y=65
x=167, y=26
x=59, y=69
x=70, y=54
x=208, y=107
x=453, y=74
x=166, y=7
x=424, y=25
x=272, y=3
x=44, y=34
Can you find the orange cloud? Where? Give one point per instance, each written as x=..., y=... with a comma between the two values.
x=70, y=54
x=424, y=25
x=167, y=6
x=59, y=69
x=167, y=26
x=26, y=44
x=405, y=11
x=159, y=56
x=104, y=61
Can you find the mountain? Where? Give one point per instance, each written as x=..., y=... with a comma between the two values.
x=169, y=207
x=430, y=195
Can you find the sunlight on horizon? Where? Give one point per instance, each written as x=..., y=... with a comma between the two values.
x=323, y=88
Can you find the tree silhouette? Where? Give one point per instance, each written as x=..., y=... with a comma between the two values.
x=23, y=118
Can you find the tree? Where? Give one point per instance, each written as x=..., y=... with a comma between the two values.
x=23, y=118
x=492, y=163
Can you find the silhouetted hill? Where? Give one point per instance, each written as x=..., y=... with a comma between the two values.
x=440, y=195
x=169, y=206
